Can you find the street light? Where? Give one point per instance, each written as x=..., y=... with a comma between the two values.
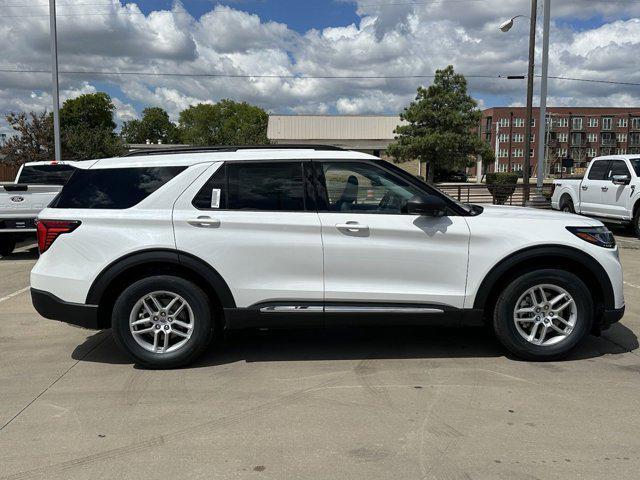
x=505, y=27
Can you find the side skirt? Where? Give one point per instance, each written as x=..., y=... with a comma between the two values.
x=316, y=315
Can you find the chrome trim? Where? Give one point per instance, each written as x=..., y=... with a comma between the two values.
x=292, y=308
x=363, y=309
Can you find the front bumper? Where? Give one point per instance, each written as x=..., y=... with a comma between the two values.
x=51, y=307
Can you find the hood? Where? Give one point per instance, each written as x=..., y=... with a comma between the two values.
x=524, y=213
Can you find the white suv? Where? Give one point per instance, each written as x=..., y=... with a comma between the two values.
x=170, y=249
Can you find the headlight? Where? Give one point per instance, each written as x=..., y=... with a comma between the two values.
x=600, y=236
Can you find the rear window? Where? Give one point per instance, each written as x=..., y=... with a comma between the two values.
x=45, y=174
x=113, y=188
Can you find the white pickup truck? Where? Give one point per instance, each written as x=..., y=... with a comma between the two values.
x=36, y=184
x=609, y=191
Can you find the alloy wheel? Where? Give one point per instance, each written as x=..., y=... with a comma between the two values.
x=161, y=322
x=545, y=315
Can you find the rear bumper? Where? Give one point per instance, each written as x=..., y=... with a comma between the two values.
x=51, y=307
x=609, y=317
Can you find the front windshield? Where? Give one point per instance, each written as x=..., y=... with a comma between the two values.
x=635, y=163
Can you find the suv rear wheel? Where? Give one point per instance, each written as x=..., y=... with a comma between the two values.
x=163, y=321
x=543, y=314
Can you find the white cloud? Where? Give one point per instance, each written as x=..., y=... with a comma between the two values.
x=396, y=40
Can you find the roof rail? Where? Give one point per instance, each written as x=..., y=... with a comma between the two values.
x=227, y=148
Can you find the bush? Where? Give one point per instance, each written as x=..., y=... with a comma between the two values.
x=501, y=185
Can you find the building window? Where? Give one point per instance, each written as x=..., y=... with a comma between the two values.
x=562, y=152
x=503, y=122
x=593, y=137
x=533, y=137
x=487, y=124
x=576, y=123
x=635, y=123
x=517, y=153
x=518, y=137
x=621, y=151
x=576, y=139
x=532, y=153
x=634, y=139
x=504, y=137
x=607, y=122
x=503, y=153
x=516, y=167
x=622, y=137
x=608, y=139
x=591, y=152
x=563, y=137
x=533, y=123
x=623, y=122
x=518, y=122
x=501, y=167
x=563, y=122
x=593, y=122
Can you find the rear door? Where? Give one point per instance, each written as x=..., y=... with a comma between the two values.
x=256, y=225
x=377, y=256
x=593, y=187
x=616, y=198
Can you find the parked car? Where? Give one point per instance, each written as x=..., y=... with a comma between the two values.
x=610, y=191
x=450, y=176
x=171, y=249
x=36, y=184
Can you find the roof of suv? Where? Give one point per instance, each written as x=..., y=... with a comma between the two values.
x=188, y=159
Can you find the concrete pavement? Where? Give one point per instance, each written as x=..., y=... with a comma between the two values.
x=371, y=404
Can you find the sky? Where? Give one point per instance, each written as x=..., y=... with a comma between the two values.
x=265, y=51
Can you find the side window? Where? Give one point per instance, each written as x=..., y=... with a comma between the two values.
x=618, y=167
x=599, y=170
x=356, y=187
x=214, y=193
x=277, y=186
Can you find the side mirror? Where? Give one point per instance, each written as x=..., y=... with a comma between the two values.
x=428, y=205
x=621, y=179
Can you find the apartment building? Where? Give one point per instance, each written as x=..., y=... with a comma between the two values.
x=579, y=133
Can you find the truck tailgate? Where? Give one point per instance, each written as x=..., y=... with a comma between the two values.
x=23, y=202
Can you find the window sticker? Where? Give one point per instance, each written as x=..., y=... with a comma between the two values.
x=215, y=198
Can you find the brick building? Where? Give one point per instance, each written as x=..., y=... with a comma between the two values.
x=580, y=133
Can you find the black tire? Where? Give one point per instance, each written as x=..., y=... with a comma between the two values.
x=202, y=319
x=636, y=222
x=7, y=245
x=503, y=318
x=566, y=204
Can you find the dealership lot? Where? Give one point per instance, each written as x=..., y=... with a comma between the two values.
x=375, y=403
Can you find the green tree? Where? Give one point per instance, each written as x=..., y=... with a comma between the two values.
x=33, y=141
x=442, y=126
x=224, y=123
x=153, y=126
x=87, y=127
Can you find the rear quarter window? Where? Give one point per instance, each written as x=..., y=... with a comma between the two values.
x=113, y=188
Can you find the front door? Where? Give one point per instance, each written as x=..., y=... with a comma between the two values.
x=374, y=252
x=616, y=198
x=252, y=222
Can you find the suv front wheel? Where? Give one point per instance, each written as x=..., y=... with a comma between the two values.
x=543, y=314
x=163, y=321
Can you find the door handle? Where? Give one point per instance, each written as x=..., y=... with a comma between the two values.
x=352, y=227
x=604, y=189
x=204, y=222
x=584, y=187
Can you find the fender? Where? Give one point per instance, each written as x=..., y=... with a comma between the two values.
x=165, y=256
x=573, y=195
x=545, y=252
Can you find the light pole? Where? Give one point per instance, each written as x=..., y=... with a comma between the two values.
x=55, y=91
x=505, y=27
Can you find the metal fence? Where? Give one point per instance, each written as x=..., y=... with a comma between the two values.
x=479, y=193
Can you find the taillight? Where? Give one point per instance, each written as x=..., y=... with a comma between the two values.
x=49, y=230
